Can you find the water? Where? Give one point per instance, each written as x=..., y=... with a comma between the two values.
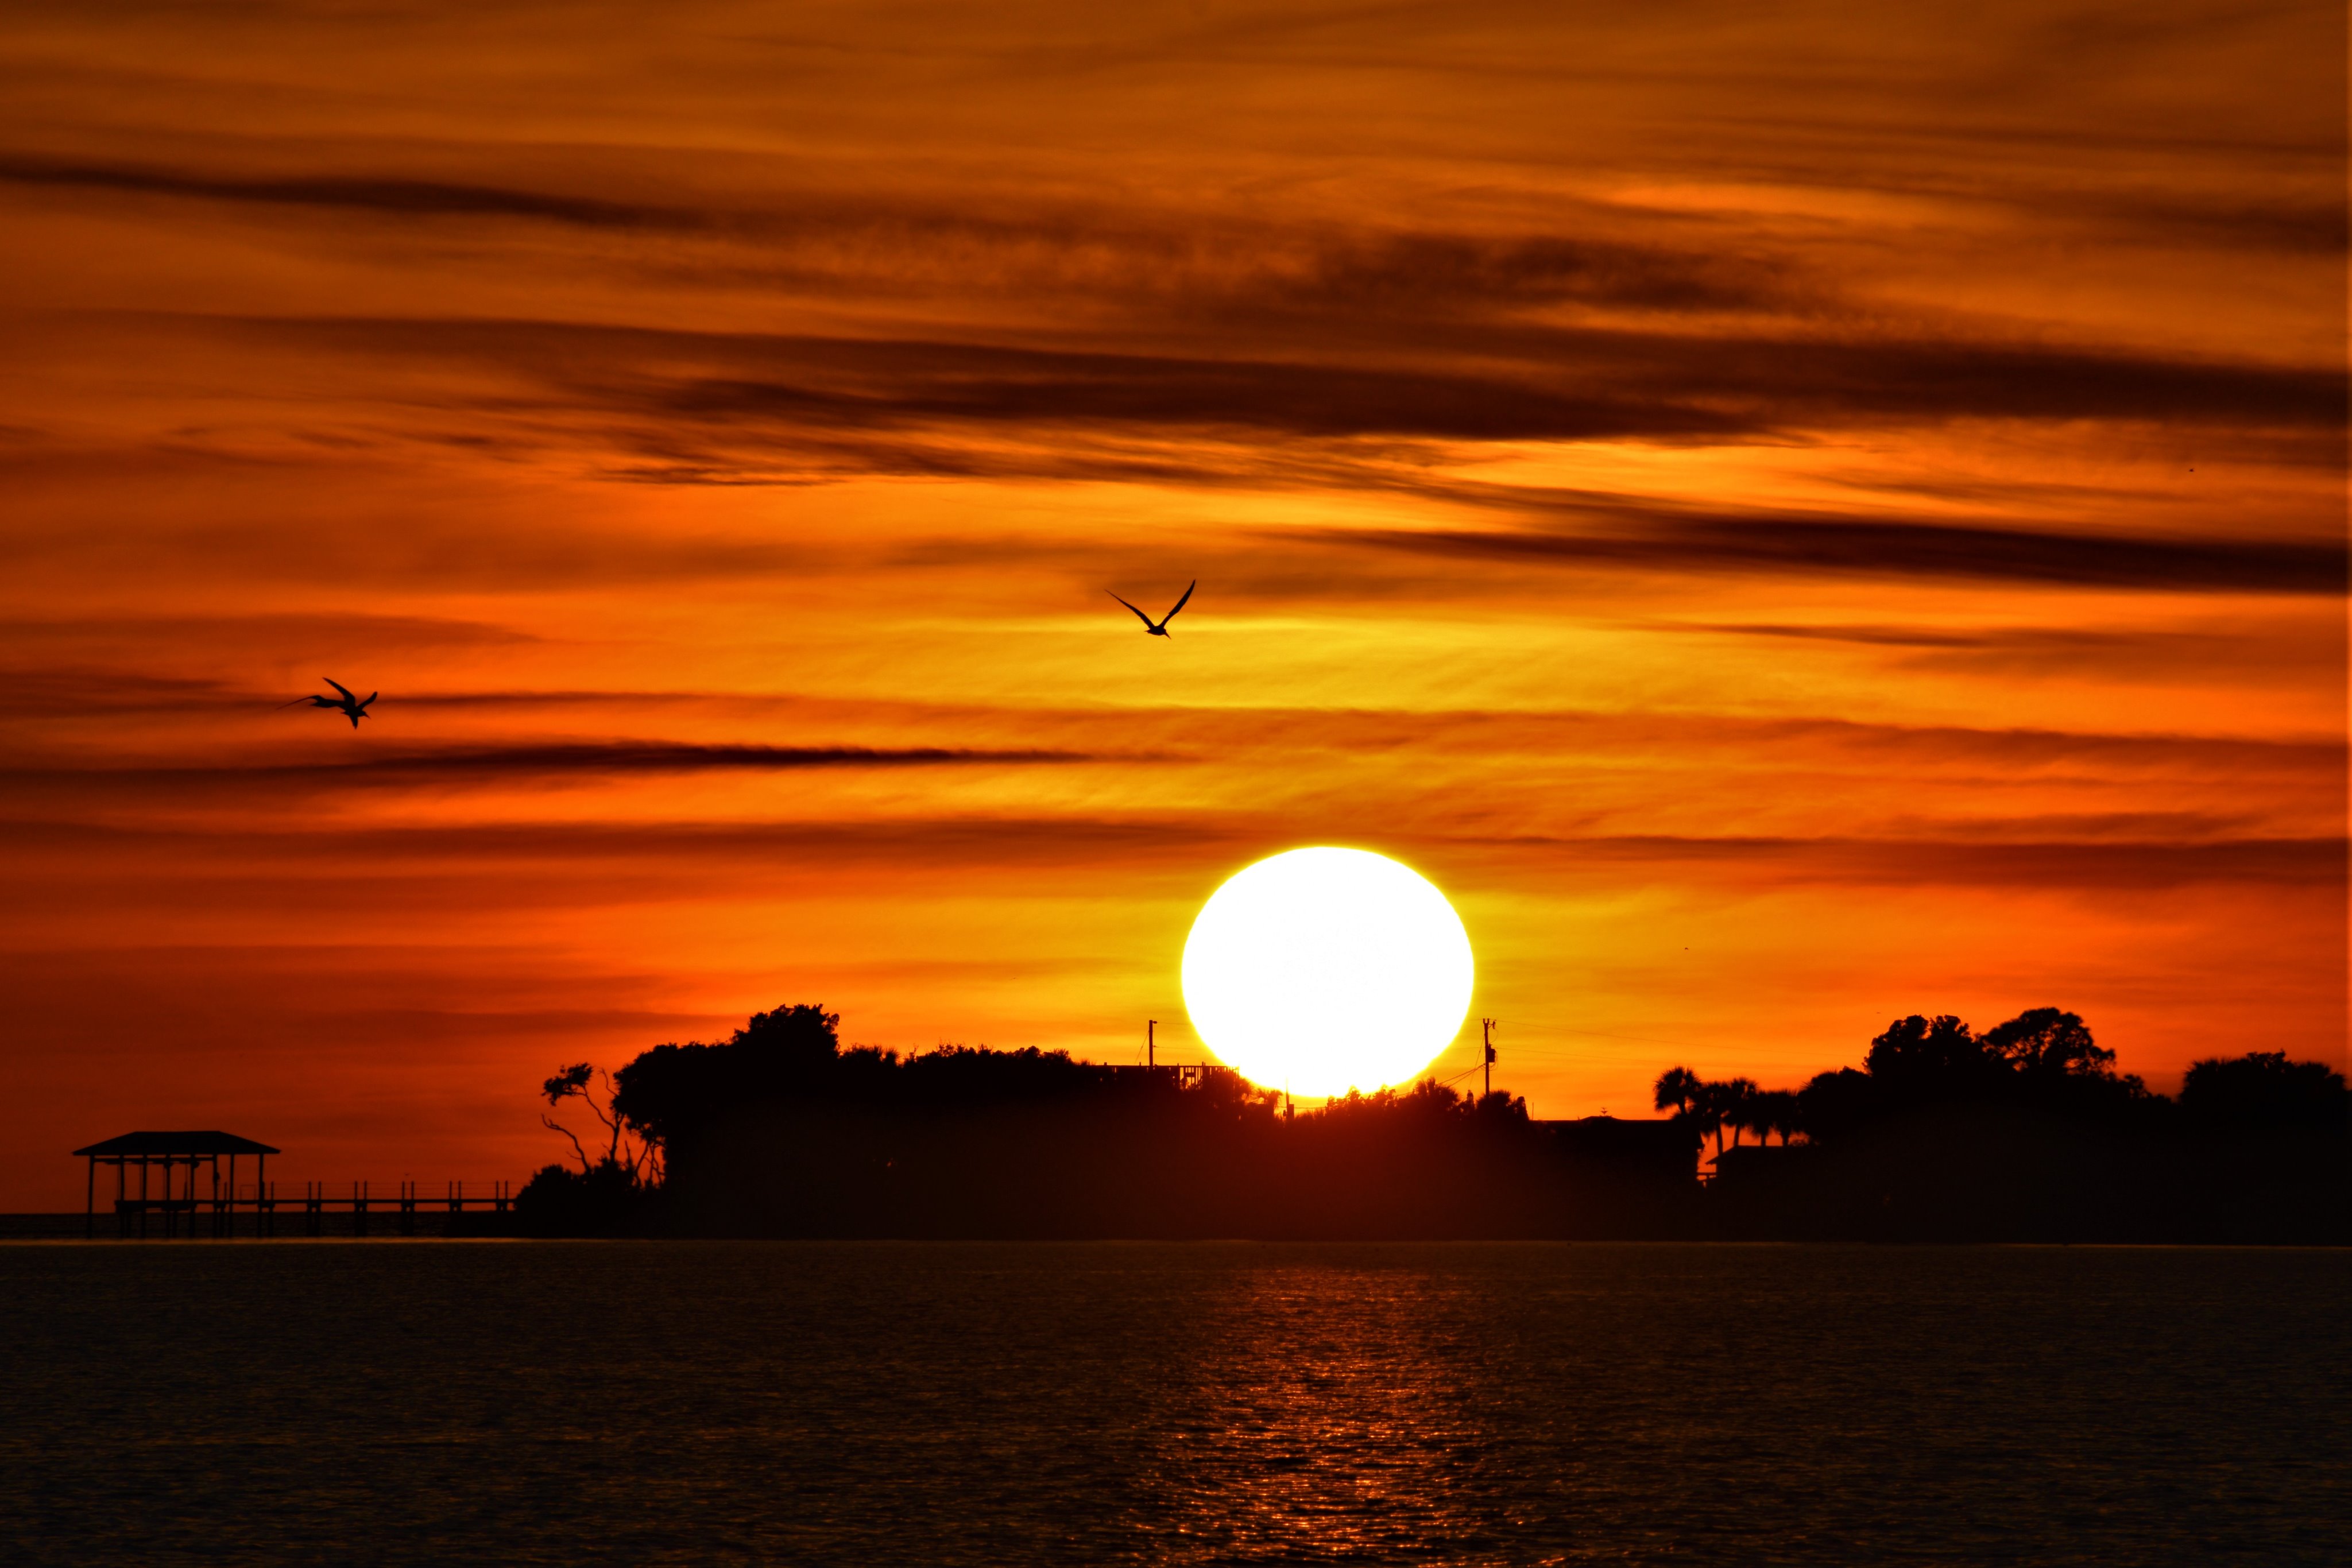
x=382, y=1402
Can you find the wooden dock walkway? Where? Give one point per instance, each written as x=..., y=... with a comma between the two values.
x=170, y=1160
x=215, y=1214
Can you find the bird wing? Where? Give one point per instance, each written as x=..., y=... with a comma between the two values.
x=371, y=696
x=1181, y=604
x=1140, y=615
x=339, y=686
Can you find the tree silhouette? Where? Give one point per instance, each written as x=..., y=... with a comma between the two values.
x=578, y=1082
x=674, y=1089
x=2045, y=1042
x=2023, y=1132
x=1837, y=1103
x=1676, y=1090
x=1775, y=1110
x=1923, y=1057
x=1709, y=1104
x=1736, y=1099
x=798, y=1043
x=2263, y=1090
x=1693, y=1100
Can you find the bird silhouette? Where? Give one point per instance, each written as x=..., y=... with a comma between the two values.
x=1159, y=628
x=347, y=705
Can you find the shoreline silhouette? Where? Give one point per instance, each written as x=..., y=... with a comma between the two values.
x=2023, y=1132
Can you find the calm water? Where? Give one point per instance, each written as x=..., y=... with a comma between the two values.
x=384, y=1402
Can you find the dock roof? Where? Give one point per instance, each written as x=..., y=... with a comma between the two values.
x=162, y=1144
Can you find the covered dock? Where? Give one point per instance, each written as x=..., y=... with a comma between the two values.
x=164, y=1191
x=174, y=1196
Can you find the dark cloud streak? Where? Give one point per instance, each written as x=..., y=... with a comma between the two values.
x=1165, y=261
x=392, y=197
x=1902, y=549
x=688, y=852
x=552, y=761
x=1955, y=861
x=704, y=400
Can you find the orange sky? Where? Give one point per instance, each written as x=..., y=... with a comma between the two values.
x=1788, y=523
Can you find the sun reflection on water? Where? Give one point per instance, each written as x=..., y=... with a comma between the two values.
x=984, y=1404
x=1347, y=1419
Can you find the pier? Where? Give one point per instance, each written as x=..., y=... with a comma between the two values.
x=167, y=1191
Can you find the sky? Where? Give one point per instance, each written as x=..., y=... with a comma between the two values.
x=1790, y=519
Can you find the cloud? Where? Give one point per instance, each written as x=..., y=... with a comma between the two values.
x=555, y=861
x=1440, y=276
x=1853, y=547
x=2097, y=865
x=355, y=630
x=706, y=402
x=64, y=693
x=292, y=876
x=523, y=765
x=1152, y=260
x=2273, y=650
x=90, y=685
x=1913, y=636
x=2307, y=227
x=391, y=197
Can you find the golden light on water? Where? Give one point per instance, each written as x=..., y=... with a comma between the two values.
x=1321, y=970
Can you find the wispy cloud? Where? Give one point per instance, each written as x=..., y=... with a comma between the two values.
x=1173, y=262
x=2099, y=865
x=526, y=764
x=391, y=197
x=1554, y=383
x=1801, y=546
x=726, y=861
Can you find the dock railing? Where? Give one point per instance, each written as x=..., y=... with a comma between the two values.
x=179, y=1212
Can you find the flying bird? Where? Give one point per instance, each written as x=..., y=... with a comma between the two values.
x=1159, y=628
x=347, y=705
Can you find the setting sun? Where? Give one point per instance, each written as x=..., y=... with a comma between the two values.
x=1321, y=970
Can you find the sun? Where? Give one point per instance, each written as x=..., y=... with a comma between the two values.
x=1322, y=970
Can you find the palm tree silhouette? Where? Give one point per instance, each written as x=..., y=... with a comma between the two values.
x=1693, y=1100
x=1775, y=1110
x=1676, y=1088
x=1736, y=1103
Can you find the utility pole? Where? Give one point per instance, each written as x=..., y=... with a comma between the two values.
x=1486, y=1031
x=1150, y=1043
